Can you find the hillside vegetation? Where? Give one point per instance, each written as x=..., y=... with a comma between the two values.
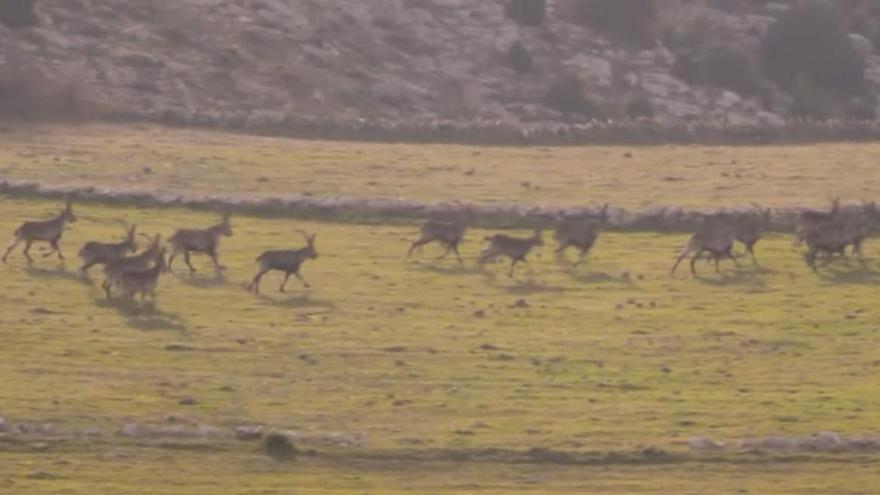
x=270, y=63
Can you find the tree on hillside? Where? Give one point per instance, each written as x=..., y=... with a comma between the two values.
x=811, y=40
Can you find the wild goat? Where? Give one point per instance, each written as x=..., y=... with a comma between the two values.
x=714, y=240
x=848, y=228
x=287, y=261
x=580, y=233
x=511, y=247
x=44, y=231
x=188, y=241
x=143, y=282
x=449, y=234
x=749, y=228
x=113, y=269
x=811, y=219
x=94, y=253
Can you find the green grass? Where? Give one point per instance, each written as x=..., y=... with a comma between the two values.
x=203, y=162
x=613, y=357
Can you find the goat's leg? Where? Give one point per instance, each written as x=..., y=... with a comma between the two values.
x=12, y=245
x=581, y=257
x=513, y=266
x=188, y=261
x=56, y=248
x=416, y=245
x=694, y=260
x=254, y=286
x=284, y=283
x=750, y=247
x=213, y=254
x=457, y=254
x=27, y=249
x=305, y=284
x=171, y=259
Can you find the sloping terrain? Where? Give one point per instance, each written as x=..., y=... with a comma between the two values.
x=406, y=61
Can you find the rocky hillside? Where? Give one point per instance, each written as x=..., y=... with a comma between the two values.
x=410, y=60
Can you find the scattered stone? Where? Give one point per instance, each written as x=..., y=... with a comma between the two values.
x=2, y=424
x=466, y=433
x=179, y=348
x=828, y=441
x=249, y=433
x=703, y=443
x=133, y=430
x=39, y=446
x=489, y=347
x=43, y=311
x=521, y=303
x=395, y=349
x=188, y=401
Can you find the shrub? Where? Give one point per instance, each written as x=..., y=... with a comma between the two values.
x=569, y=95
x=17, y=13
x=811, y=39
x=810, y=101
x=519, y=58
x=628, y=20
x=722, y=66
x=640, y=107
x=279, y=447
x=26, y=94
x=527, y=12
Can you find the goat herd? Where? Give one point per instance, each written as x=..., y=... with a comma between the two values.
x=824, y=232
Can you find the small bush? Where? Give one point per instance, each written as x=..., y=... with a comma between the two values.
x=16, y=14
x=527, y=12
x=279, y=447
x=26, y=94
x=640, y=107
x=810, y=101
x=811, y=39
x=629, y=20
x=722, y=66
x=519, y=58
x=569, y=95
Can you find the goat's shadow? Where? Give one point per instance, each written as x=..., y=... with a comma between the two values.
x=738, y=276
x=59, y=272
x=584, y=275
x=848, y=271
x=453, y=268
x=300, y=301
x=194, y=279
x=144, y=316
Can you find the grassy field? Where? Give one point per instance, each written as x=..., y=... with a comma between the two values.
x=418, y=361
x=635, y=177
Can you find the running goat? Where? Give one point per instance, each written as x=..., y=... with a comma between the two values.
x=44, y=231
x=188, y=241
x=288, y=261
x=94, y=253
x=113, y=269
x=511, y=247
x=849, y=228
x=143, y=282
x=714, y=240
x=812, y=219
x=750, y=228
x=580, y=233
x=448, y=233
